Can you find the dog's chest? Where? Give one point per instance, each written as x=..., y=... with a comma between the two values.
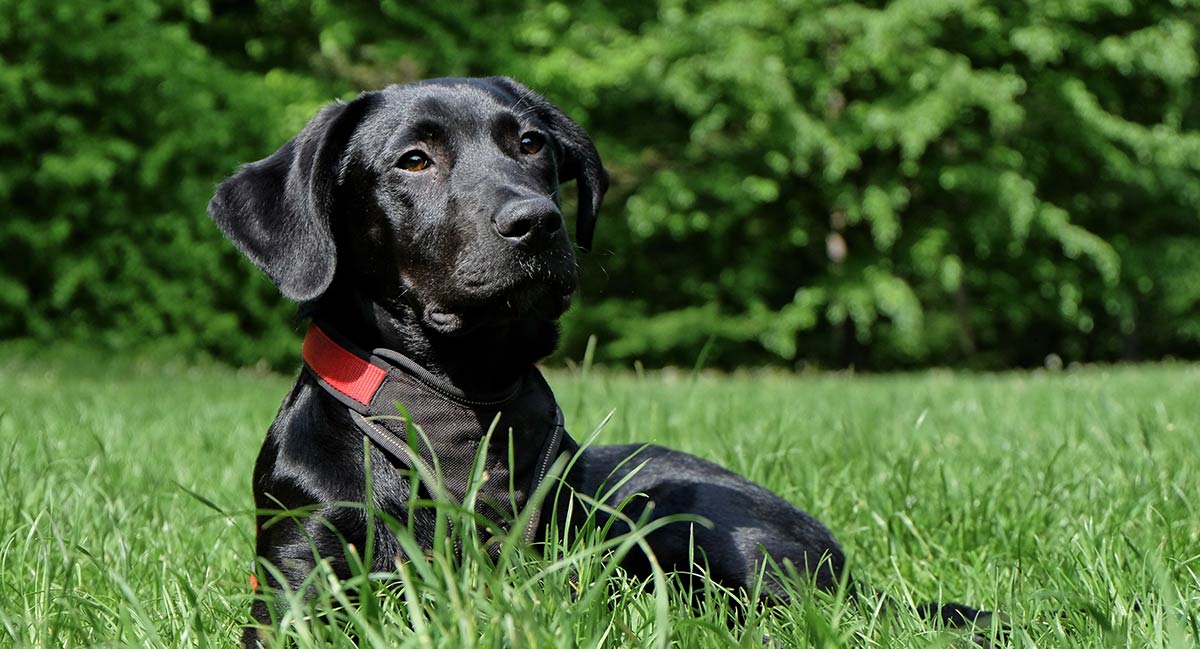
x=497, y=447
x=442, y=436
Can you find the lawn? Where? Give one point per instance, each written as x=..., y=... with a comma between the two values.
x=1066, y=500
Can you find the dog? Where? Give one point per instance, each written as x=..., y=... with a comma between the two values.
x=420, y=228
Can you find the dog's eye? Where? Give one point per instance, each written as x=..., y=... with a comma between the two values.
x=532, y=142
x=414, y=161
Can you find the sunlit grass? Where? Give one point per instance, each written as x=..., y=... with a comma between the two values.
x=1069, y=501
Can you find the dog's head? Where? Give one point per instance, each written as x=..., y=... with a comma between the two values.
x=441, y=197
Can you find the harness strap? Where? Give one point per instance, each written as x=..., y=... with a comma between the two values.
x=395, y=447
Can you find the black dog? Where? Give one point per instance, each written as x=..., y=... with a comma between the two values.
x=422, y=222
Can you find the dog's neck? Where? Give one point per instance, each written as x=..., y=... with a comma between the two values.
x=488, y=359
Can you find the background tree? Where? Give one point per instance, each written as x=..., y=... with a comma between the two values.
x=880, y=184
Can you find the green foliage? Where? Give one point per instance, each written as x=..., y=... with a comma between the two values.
x=927, y=182
x=114, y=127
x=881, y=184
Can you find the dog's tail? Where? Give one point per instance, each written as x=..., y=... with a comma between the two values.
x=988, y=629
x=956, y=615
x=951, y=615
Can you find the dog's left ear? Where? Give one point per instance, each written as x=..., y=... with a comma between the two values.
x=580, y=160
x=581, y=163
x=277, y=210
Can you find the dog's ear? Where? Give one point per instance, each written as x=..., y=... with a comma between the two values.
x=581, y=163
x=580, y=160
x=277, y=210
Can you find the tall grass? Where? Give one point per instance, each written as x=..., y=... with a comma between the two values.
x=1066, y=500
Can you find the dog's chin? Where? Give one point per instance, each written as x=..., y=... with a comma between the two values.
x=459, y=318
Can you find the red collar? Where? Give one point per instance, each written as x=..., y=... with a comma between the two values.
x=343, y=370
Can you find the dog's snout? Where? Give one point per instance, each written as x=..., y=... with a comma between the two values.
x=529, y=221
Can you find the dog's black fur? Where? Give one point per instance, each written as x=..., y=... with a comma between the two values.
x=464, y=265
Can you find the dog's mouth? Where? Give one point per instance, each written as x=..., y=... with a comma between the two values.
x=522, y=298
x=462, y=319
x=497, y=292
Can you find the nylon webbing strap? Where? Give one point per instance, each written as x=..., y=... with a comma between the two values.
x=342, y=370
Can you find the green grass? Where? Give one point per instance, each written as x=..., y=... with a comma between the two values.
x=1066, y=500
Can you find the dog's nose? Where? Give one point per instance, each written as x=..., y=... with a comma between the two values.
x=530, y=221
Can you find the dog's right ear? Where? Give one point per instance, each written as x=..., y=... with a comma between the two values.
x=277, y=210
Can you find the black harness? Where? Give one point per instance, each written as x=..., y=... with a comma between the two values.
x=450, y=425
